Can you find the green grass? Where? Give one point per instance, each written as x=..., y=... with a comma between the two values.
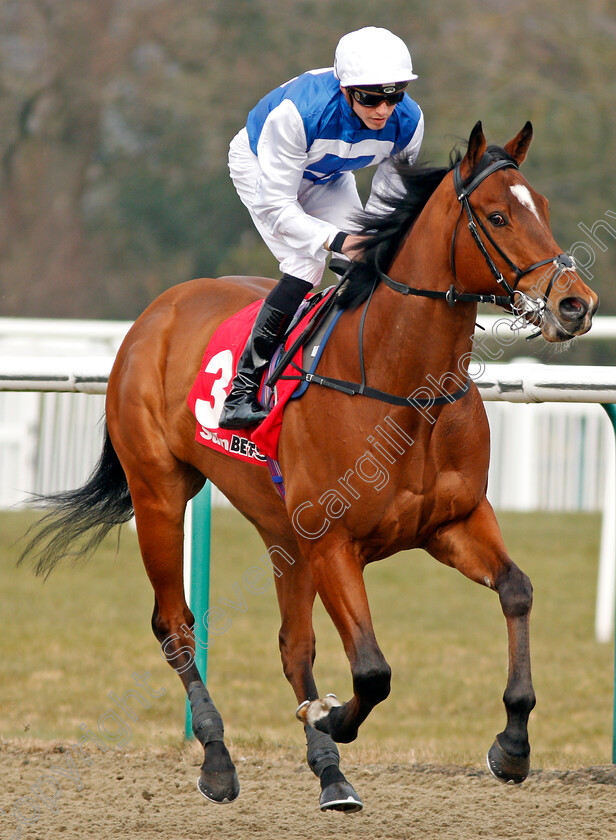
x=70, y=640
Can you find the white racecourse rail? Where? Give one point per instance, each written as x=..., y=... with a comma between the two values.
x=523, y=477
x=536, y=383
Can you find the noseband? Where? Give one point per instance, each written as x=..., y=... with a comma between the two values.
x=528, y=309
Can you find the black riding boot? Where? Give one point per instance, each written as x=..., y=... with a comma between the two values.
x=242, y=409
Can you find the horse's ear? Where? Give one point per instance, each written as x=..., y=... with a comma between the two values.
x=518, y=147
x=475, y=151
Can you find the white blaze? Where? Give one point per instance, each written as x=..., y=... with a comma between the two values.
x=523, y=195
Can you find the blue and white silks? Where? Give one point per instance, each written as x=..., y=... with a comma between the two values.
x=293, y=163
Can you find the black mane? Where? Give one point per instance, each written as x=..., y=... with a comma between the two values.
x=385, y=232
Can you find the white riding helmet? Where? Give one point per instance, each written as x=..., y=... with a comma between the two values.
x=372, y=56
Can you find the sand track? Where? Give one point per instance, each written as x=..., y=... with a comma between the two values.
x=151, y=795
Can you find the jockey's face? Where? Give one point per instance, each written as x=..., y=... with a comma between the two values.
x=373, y=118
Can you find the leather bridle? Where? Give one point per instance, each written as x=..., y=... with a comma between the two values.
x=521, y=304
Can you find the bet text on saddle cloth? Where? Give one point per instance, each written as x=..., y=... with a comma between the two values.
x=213, y=383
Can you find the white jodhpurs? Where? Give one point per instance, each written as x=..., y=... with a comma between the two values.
x=334, y=202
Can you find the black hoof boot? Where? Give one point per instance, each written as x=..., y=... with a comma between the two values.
x=337, y=794
x=221, y=788
x=340, y=796
x=505, y=767
x=218, y=781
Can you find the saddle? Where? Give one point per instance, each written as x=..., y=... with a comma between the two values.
x=285, y=378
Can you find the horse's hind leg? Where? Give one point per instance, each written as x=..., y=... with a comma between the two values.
x=296, y=593
x=160, y=489
x=475, y=547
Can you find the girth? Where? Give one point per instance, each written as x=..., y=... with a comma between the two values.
x=353, y=388
x=343, y=386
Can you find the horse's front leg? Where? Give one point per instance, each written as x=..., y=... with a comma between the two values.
x=475, y=547
x=338, y=575
x=296, y=593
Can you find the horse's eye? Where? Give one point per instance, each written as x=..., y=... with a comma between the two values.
x=497, y=219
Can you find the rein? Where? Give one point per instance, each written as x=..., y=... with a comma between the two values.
x=353, y=388
x=519, y=303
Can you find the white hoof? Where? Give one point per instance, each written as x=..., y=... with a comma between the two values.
x=309, y=712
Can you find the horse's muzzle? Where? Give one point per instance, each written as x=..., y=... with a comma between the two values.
x=573, y=317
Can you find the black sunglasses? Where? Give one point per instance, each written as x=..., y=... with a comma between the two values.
x=371, y=100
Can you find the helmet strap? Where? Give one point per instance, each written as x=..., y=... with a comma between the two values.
x=351, y=100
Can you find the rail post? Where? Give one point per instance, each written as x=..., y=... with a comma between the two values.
x=608, y=529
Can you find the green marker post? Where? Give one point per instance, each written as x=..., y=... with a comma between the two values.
x=199, y=597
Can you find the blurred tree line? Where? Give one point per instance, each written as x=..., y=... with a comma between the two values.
x=116, y=116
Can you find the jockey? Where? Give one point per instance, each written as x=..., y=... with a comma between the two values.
x=292, y=168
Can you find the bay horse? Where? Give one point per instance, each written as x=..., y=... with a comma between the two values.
x=459, y=235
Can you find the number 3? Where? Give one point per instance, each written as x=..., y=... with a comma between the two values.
x=207, y=413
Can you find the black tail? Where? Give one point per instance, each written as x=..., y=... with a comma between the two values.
x=78, y=520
